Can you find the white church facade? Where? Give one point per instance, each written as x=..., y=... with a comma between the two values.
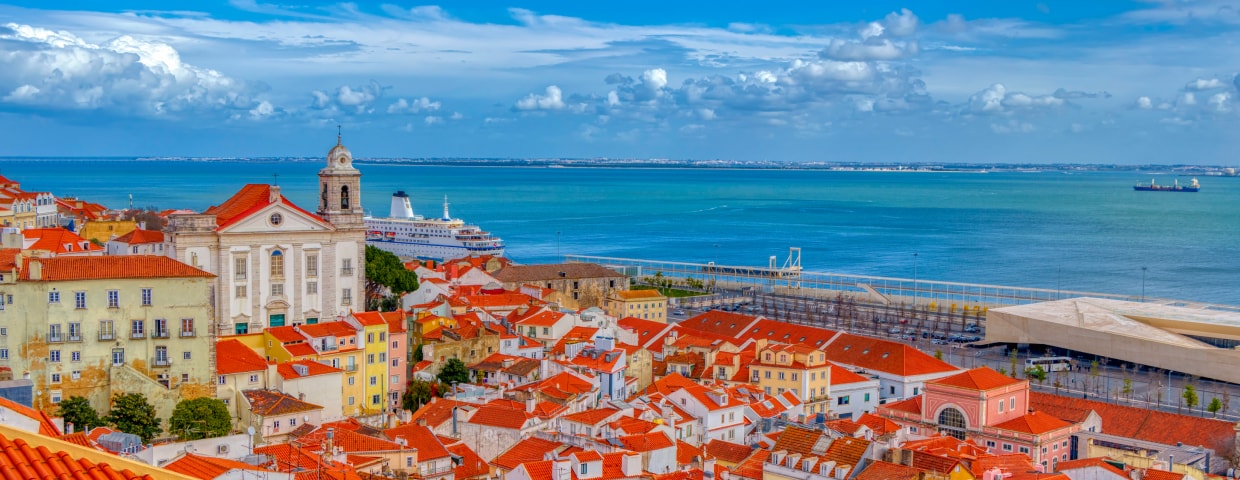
x=275, y=263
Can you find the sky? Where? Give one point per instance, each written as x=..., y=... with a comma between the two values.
x=1114, y=82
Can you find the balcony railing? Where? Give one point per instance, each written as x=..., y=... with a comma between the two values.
x=347, y=271
x=137, y=335
x=187, y=333
x=350, y=368
x=75, y=338
x=161, y=362
x=159, y=334
x=55, y=337
x=104, y=336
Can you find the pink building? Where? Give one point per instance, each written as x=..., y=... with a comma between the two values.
x=989, y=408
x=398, y=356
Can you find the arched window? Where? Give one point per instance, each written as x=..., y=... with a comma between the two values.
x=344, y=197
x=324, y=197
x=952, y=422
x=277, y=263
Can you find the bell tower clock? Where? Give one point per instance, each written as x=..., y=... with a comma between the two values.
x=340, y=189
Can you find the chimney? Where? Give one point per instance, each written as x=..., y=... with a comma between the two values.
x=422, y=422
x=529, y=404
x=632, y=465
x=36, y=270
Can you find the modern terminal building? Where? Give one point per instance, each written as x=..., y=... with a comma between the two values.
x=1199, y=341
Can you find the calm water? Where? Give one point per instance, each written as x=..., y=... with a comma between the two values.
x=1080, y=231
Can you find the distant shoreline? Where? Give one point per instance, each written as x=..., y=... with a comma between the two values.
x=662, y=164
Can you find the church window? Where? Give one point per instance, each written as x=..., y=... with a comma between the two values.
x=277, y=219
x=312, y=265
x=324, y=196
x=344, y=197
x=277, y=263
x=952, y=422
x=239, y=268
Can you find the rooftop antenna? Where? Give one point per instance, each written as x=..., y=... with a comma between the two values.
x=337, y=134
x=275, y=179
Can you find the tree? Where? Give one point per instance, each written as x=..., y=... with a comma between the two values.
x=131, y=413
x=1037, y=373
x=200, y=418
x=417, y=354
x=1012, y=362
x=454, y=371
x=386, y=276
x=938, y=354
x=1214, y=406
x=420, y=393
x=77, y=410
x=1127, y=389
x=1190, y=396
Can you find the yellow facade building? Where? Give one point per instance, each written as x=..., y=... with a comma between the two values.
x=375, y=369
x=334, y=343
x=96, y=326
x=800, y=369
x=643, y=304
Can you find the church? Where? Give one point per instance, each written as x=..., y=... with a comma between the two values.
x=275, y=263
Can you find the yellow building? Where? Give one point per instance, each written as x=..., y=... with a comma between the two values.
x=804, y=371
x=95, y=326
x=375, y=349
x=643, y=304
x=333, y=343
x=103, y=230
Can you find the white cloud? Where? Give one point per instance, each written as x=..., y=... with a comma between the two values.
x=1205, y=84
x=263, y=110
x=654, y=79
x=127, y=75
x=871, y=49
x=996, y=99
x=613, y=99
x=902, y=23
x=1145, y=103
x=552, y=100
x=1220, y=102
x=1013, y=126
x=432, y=120
x=349, y=99
x=416, y=105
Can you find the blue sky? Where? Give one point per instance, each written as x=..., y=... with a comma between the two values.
x=883, y=81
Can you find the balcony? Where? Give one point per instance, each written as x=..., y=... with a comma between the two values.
x=350, y=368
x=137, y=335
x=187, y=333
x=159, y=334
x=106, y=336
x=161, y=362
x=347, y=271
x=55, y=337
x=75, y=338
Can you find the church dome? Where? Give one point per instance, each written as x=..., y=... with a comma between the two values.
x=339, y=155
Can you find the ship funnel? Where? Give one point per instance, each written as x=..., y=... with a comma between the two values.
x=400, y=206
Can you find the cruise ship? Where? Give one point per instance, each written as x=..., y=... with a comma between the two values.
x=412, y=236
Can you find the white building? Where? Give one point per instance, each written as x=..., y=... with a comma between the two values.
x=721, y=417
x=276, y=263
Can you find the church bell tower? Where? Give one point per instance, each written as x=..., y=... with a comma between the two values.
x=340, y=189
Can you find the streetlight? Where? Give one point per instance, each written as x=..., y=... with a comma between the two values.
x=914, y=278
x=1143, y=269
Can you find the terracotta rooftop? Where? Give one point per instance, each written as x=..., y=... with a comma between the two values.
x=1035, y=423
x=981, y=379
x=647, y=442
x=1103, y=463
x=880, y=470
x=313, y=368
x=727, y=451
x=647, y=294
x=1139, y=423
x=208, y=468
x=250, y=199
x=471, y=464
x=36, y=457
x=720, y=322
x=139, y=236
x=46, y=426
x=111, y=267
x=270, y=402
x=347, y=440
x=420, y=437
x=591, y=417
x=58, y=241
x=528, y=450
x=232, y=357
x=847, y=451
x=500, y=416
x=526, y=273
x=796, y=439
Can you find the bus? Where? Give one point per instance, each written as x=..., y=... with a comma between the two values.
x=1050, y=364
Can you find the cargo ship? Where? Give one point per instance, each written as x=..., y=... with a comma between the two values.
x=414, y=236
x=1154, y=187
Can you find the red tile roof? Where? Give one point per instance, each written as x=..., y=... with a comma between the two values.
x=21, y=460
x=880, y=470
x=378, y=318
x=8, y=258
x=1010, y=463
x=286, y=334
x=529, y=450
x=847, y=451
x=111, y=267
x=727, y=451
x=208, y=468
x=232, y=357
x=647, y=442
x=139, y=236
x=1102, y=463
x=796, y=439
x=909, y=405
x=313, y=368
x=471, y=464
x=347, y=440
x=333, y=328
x=270, y=402
x=884, y=356
x=250, y=199
x=1139, y=423
x=879, y=425
x=1155, y=474
x=46, y=427
x=752, y=466
x=420, y=437
x=544, y=318
x=494, y=415
x=592, y=417
x=1034, y=423
x=720, y=322
x=685, y=453
x=983, y=378
x=58, y=241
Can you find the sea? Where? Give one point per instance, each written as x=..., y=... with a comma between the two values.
x=1066, y=230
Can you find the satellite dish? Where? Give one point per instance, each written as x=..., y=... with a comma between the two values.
x=250, y=431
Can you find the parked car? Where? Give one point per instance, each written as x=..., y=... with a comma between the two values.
x=678, y=312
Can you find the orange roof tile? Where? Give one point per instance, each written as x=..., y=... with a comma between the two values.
x=545, y=318
x=333, y=328
x=909, y=405
x=844, y=376
x=232, y=357
x=1139, y=423
x=720, y=322
x=46, y=427
x=270, y=402
x=19, y=459
x=982, y=378
x=8, y=258
x=879, y=425
x=420, y=437
x=528, y=450
x=752, y=466
x=1035, y=423
x=1009, y=462
x=884, y=356
x=685, y=453
x=1155, y=474
x=1102, y=463
x=471, y=464
x=58, y=241
x=347, y=440
x=796, y=439
x=208, y=468
x=139, y=236
x=591, y=417
x=251, y=198
x=647, y=294
x=647, y=442
x=494, y=415
x=286, y=334
x=111, y=267
x=313, y=368
x=728, y=451
x=847, y=451
x=880, y=470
